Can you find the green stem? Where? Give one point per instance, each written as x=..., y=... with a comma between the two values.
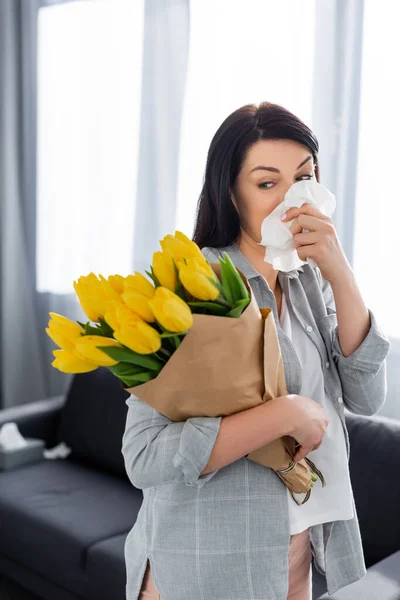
x=165, y=351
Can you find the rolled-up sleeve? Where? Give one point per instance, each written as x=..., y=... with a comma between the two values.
x=363, y=372
x=157, y=450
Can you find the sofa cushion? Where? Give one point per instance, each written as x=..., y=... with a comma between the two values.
x=36, y=587
x=52, y=512
x=106, y=569
x=93, y=420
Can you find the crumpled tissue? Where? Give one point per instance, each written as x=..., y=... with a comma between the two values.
x=11, y=438
x=276, y=235
x=59, y=451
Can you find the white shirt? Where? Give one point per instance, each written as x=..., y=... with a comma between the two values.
x=334, y=501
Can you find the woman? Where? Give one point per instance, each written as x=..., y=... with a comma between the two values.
x=213, y=524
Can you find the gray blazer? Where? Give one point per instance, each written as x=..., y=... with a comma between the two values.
x=225, y=535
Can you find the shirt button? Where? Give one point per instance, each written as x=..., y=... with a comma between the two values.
x=327, y=364
x=309, y=328
x=340, y=399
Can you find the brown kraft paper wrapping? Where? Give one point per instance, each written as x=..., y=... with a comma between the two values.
x=225, y=365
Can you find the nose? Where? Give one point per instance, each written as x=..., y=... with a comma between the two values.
x=282, y=192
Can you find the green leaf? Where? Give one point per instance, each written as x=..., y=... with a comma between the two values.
x=180, y=290
x=238, y=308
x=144, y=376
x=177, y=341
x=83, y=325
x=137, y=380
x=168, y=335
x=124, y=369
x=126, y=355
x=239, y=289
x=228, y=290
x=151, y=277
x=105, y=328
x=131, y=379
x=90, y=330
x=154, y=278
x=214, y=307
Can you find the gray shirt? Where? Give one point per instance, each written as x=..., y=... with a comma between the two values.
x=225, y=535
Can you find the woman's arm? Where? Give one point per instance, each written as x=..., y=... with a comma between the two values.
x=243, y=432
x=352, y=315
x=157, y=450
x=363, y=371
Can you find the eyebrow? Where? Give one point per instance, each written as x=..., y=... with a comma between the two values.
x=275, y=170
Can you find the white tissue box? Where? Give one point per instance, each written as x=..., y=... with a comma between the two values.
x=33, y=452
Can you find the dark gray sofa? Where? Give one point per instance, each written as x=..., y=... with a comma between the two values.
x=63, y=522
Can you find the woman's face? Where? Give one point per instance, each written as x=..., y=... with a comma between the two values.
x=270, y=168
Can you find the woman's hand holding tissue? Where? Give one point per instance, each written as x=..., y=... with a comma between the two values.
x=320, y=242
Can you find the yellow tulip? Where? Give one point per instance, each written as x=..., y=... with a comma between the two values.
x=95, y=294
x=69, y=362
x=87, y=347
x=111, y=315
x=110, y=294
x=171, y=311
x=194, y=275
x=63, y=332
x=181, y=236
x=180, y=247
x=138, y=336
x=140, y=283
x=138, y=292
x=117, y=311
x=163, y=268
x=197, y=253
x=117, y=282
x=131, y=330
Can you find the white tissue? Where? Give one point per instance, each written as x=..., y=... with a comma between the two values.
x=10, y=437
x=276, y=234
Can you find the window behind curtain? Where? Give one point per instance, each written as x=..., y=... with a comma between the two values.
x=240, y=53
x=89, y=79
x=376, y=247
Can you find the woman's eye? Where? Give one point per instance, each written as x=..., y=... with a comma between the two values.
x=266, y=182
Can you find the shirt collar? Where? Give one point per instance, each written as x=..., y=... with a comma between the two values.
x=241, y=262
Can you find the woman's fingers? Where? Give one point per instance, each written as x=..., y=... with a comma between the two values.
x=295, y=227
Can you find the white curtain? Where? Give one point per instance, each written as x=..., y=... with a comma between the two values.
x=129, y=97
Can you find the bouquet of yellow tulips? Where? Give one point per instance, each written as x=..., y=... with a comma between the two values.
x=175, y=341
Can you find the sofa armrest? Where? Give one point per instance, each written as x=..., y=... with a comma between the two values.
x=374, y=468
x=380, y=581
x=36, y=419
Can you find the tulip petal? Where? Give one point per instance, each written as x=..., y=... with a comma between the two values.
x=68, y=362
x=171, y=311
x=87, y=348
